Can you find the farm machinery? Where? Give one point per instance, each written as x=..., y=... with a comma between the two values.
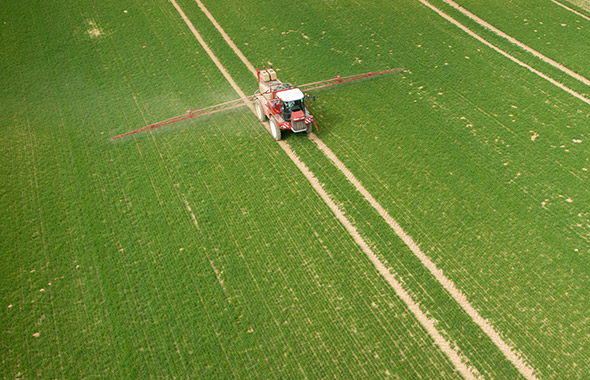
x=282, y=104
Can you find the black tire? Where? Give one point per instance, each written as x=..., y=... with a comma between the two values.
x=275, y=131
x=308, y=128
x=260, y=111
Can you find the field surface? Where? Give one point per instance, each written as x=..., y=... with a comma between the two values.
x=204, y=249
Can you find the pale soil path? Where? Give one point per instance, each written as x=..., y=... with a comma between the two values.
x=226, y=37
x=572, y=10
x=458, y=361
x=518, y=43
x=505, y=54
x=449, y=285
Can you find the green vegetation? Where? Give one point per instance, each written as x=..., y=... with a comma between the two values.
x=477, y=158
x=200, y=250
x=105, y=273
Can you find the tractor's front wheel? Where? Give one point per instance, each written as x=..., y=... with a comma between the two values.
x=275, y=130
x=260, y=111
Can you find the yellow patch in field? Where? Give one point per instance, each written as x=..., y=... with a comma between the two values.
x=94, y=31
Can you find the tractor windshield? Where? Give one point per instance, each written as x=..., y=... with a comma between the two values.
x=290, y=107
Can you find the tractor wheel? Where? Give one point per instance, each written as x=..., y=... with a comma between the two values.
x=260, y=111
x=308, y=128
x=274, y=129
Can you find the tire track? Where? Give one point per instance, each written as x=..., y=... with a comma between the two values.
x=447, y=283
x=514, y=41
x=571, y=10
x=458, y=361
x=505, y=54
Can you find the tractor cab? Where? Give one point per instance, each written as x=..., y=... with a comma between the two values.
x=292, y=104
x=282, y=104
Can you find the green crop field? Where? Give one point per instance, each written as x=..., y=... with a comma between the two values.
x=200, y=249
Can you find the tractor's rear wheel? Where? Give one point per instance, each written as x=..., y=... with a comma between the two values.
x=275, y=130
x=260, y=111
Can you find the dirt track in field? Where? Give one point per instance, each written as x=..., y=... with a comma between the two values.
x=581, y=5
x=458, y=361
x=226, y=37
x=449, y=285
x=518, y=43
x=505, y=54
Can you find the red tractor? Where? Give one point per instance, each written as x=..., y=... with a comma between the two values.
x=282, y=104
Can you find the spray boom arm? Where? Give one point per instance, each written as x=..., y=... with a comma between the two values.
x=191, y=114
